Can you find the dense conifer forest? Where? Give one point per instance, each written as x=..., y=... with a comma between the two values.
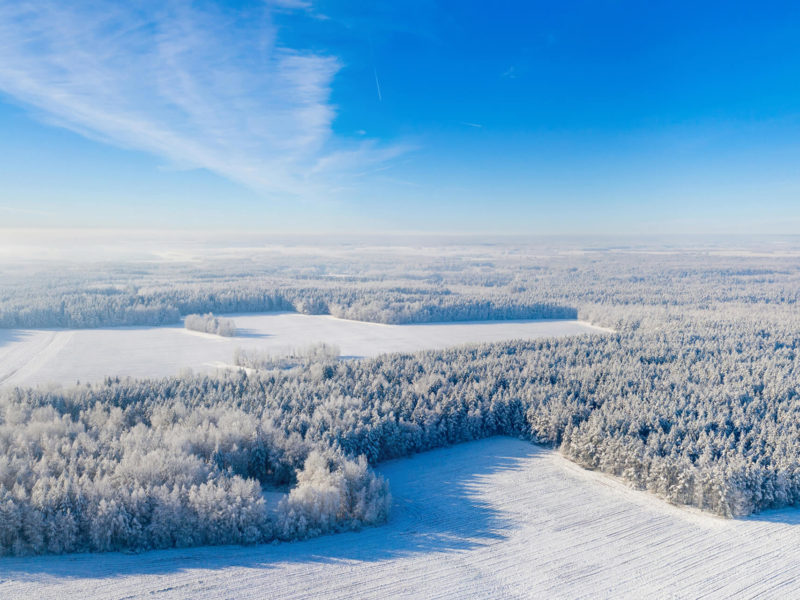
x=693, y=396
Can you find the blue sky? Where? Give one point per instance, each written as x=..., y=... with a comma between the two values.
x=504, y=117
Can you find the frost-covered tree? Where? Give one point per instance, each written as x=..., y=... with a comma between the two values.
x=208, y=323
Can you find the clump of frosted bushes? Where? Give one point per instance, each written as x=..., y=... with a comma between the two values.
x=208, y=323
x=307, y=356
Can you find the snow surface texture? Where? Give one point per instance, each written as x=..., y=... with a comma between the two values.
x=498, y=518
x=31, y=357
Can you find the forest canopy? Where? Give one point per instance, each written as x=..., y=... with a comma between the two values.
x=693, y=397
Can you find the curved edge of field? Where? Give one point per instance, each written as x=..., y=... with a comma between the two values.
x=495, y=518
x=41, y=357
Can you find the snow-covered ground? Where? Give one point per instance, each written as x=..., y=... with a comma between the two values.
x=30, y=357
x=499, y=518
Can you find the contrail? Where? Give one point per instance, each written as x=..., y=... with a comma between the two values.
x=377, y=84
x=374, y=68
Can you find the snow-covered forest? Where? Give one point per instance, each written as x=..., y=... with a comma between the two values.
x=693, y=397
x=398, y=284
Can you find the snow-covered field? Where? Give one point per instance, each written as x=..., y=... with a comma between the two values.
x=30, y=357
x=499, y=518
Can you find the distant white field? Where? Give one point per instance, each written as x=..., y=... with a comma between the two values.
x=31, y=357
x=499, y=518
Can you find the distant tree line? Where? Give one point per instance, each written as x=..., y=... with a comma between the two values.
x=506, y=284
x=86, y=310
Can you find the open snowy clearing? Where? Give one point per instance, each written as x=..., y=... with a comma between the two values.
x=31, y=357
x=498, y=518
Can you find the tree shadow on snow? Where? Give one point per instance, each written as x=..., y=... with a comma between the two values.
x=786, y=516
x=437, y=508
x=7, y=336
x=251, y=334
x=490, y=322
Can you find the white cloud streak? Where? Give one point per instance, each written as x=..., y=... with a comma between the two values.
x=192, y=83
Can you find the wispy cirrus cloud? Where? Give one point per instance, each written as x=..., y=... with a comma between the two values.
x=197, y=84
